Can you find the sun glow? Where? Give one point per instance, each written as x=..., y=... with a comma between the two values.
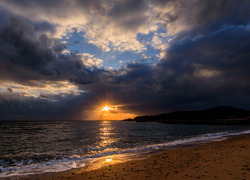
x=108, y=160
x=105, y=108
x=108, y=110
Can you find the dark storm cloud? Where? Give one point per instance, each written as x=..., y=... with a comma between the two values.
x=129, y=14
x=207, y=11
x=197, y=74
x=30, y=108
x=60, y=8
x=27, y=108
x=21, y=52
x=134, y=73
x=31, y=59
x=25, y=57
x=206, y=64
x=44, y=27
x=225, y=55
x=203, y=16
x=47, y=5
x=4, y=17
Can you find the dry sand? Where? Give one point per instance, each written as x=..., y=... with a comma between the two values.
x=229, y=159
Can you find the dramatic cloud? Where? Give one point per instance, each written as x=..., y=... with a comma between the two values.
x=177, y=55
x=26, y=57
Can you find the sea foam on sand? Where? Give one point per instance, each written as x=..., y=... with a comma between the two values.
x=228, y=159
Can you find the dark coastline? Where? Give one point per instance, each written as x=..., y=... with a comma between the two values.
x=222, y=115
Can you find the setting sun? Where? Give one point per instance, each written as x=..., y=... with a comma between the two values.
x=110, y=111
x=106, y=108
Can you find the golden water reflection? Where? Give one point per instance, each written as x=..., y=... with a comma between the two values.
x=106, y=135
x=111, y=160
x=107, y=145
x=107, y=138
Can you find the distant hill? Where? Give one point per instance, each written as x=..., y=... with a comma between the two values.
x=223, y=115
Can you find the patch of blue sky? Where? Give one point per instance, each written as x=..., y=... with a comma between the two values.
x=152, y=51
x=77, y=44
x=114, y=59
x=147, y=38
x=144, y=38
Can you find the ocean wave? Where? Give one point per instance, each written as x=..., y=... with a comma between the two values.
x=48, y=163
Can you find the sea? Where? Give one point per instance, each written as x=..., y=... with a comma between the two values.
x=34, y=147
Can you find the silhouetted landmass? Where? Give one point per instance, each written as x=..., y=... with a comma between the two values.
x=222, y=115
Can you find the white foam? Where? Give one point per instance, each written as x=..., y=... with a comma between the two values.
x=76, y=161
x=50, y=166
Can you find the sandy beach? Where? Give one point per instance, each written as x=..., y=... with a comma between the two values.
x=228, y=159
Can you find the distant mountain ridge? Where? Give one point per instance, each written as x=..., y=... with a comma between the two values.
x=223, y=115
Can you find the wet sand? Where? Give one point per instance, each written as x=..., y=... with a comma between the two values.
x=229, y=159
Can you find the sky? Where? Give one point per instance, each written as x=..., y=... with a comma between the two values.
x=117, y=59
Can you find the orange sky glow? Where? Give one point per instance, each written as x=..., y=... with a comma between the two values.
x=108, y=111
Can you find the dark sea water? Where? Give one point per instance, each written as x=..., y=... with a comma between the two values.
x=29, y=147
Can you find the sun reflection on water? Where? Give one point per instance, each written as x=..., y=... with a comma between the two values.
x=108, y=146
x=106, y=135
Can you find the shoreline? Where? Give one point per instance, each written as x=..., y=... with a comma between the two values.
x=228, y=159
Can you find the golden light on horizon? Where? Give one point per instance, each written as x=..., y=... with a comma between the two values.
x=105, y=108
x=108, y=110
x=108, y=160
